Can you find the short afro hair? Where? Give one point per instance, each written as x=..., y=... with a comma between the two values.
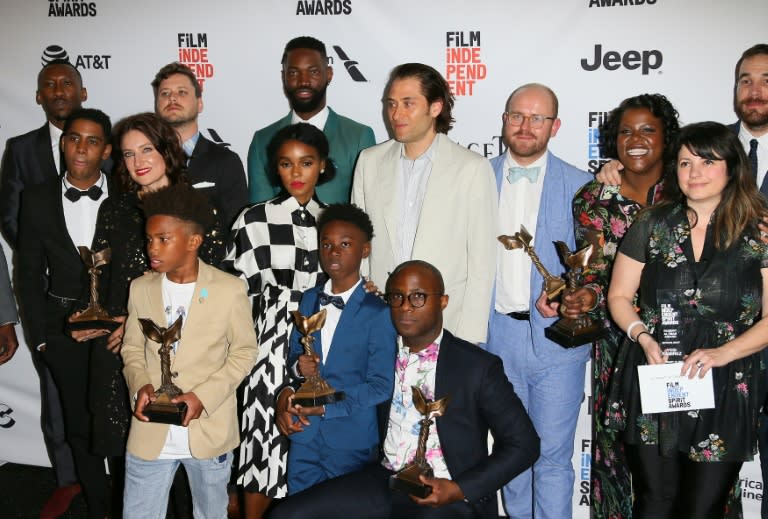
x=349, y=213
x=180, y=201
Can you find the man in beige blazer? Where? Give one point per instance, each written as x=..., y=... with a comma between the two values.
x=216, y=350
x=430, y=199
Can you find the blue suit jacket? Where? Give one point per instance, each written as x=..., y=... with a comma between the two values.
x=361, y=362
x=554, y=223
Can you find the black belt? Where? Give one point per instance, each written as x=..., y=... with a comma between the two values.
x=520, y=316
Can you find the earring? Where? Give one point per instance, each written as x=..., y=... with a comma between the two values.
x=322, y=171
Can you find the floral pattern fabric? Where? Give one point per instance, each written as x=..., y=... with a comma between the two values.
x=720, y=298
x=602, y=216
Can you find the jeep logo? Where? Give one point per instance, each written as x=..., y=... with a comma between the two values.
x=646, y=60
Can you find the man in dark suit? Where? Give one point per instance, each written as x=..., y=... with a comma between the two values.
x=8, y=314
x=306, y=76
x=56, y=217
x=31, y=159
x=480, y=398
x=215, y=170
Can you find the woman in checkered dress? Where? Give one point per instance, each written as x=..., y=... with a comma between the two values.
x=274, y=248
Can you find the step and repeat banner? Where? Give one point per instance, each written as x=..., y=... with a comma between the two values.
x=593, y=53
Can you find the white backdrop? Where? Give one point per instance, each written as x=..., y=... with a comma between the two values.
x=685, y=49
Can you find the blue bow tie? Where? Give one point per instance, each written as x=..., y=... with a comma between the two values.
x=336, y=301
x=516, y=173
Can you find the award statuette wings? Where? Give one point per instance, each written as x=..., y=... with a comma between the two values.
x=407, y=479
x=163, y=410
x=522, y=240
x=315, y=391
x=574, y=332
x=94, y=316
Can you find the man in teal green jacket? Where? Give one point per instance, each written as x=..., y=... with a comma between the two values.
x=306, y=76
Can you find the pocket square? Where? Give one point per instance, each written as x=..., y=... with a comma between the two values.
x=203, y=185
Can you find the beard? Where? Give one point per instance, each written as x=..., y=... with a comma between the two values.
x=754, y=118
x=306, y=105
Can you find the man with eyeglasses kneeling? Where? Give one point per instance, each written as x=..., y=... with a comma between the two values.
x=536, y=191
x=478, y=398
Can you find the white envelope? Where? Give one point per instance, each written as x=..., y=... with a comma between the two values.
x=663, y=390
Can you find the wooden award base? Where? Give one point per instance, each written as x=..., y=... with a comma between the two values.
x=93, y=318
x=163, y=411
x=407, y=480
x=570, y=333
x=315, y=392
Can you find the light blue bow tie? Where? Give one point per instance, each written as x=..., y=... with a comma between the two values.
x=516, y=173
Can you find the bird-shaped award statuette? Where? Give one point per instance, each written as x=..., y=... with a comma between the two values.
x=407, y=479
x=163, y=410
x=569, y=332
x=315, y=390
x=522, y=240
x=94, y=316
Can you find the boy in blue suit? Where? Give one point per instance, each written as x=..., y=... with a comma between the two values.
x=355, y=354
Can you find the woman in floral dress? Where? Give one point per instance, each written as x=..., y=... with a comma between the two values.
x=641, y=133
x=700, y=250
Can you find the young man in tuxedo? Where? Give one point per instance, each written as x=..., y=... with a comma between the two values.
x=56, y=217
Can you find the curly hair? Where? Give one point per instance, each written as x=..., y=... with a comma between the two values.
x=162, y=136
x=176, y=68
x=741, y=205
x=661, y=108
x=180, y=201
x=306, y=134
x=433, y=86
x=349, y=213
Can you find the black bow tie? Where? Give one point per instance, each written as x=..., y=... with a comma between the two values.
x=336, y=301
x=73, y=194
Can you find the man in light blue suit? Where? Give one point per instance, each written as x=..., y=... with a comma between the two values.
x=535, y=190
x=306, y=76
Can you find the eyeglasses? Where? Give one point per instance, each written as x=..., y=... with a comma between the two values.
x=535, y=120
x=415, y=299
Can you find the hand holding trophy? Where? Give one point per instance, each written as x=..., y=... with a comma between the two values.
x=94, y=317
x=162, y=410
x=407, y=479
x=315, y=391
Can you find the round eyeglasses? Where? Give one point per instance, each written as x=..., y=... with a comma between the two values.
x=415, y=299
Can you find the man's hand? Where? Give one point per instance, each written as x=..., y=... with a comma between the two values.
x=115, y=341
x=444, y=492
x=194, y=407
x=578, y=302
x=300, y=411
x=287, y=422
x=546, y=308
x=84, y=335
x=610, y=173
x=308, y=365
x=8, y=342
x=144, y=396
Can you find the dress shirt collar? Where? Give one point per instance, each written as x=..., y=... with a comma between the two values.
x=101, y=182
x=541, y=162
x=318, y=120
x=328, y=289
x=428, y=154
x=189, y=144
x=432, y=349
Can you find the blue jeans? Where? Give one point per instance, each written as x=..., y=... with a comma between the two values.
x=552, y=393
x=147, y=484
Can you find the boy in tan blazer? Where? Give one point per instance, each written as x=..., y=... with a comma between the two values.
x=216, y=350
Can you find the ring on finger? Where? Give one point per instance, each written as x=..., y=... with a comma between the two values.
x=699, y=364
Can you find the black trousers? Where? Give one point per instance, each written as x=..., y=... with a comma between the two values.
x=364, y=494
x=68, y=363
x=677, y=488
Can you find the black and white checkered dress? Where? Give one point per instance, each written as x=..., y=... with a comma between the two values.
x=274, y=248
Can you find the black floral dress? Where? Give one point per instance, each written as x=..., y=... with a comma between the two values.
x=602, y=216
x=720, y=298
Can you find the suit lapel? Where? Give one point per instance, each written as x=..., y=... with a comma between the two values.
x=196, y=305
x=58, y=205
x=388, y=176
x=44, y=154
x=431, y=217
x=348, y=316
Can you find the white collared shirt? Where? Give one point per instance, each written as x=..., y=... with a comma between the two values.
x=762, y=151
x=80, y=216
x=413, y=177
x=332, y=317
x=318, y=120
x=189, y=145
x=518, y=205
x=55, y=134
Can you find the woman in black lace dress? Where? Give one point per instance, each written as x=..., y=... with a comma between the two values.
x=148, y=156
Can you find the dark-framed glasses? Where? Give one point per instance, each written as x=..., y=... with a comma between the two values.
x=536, y=121
x=415, y=299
